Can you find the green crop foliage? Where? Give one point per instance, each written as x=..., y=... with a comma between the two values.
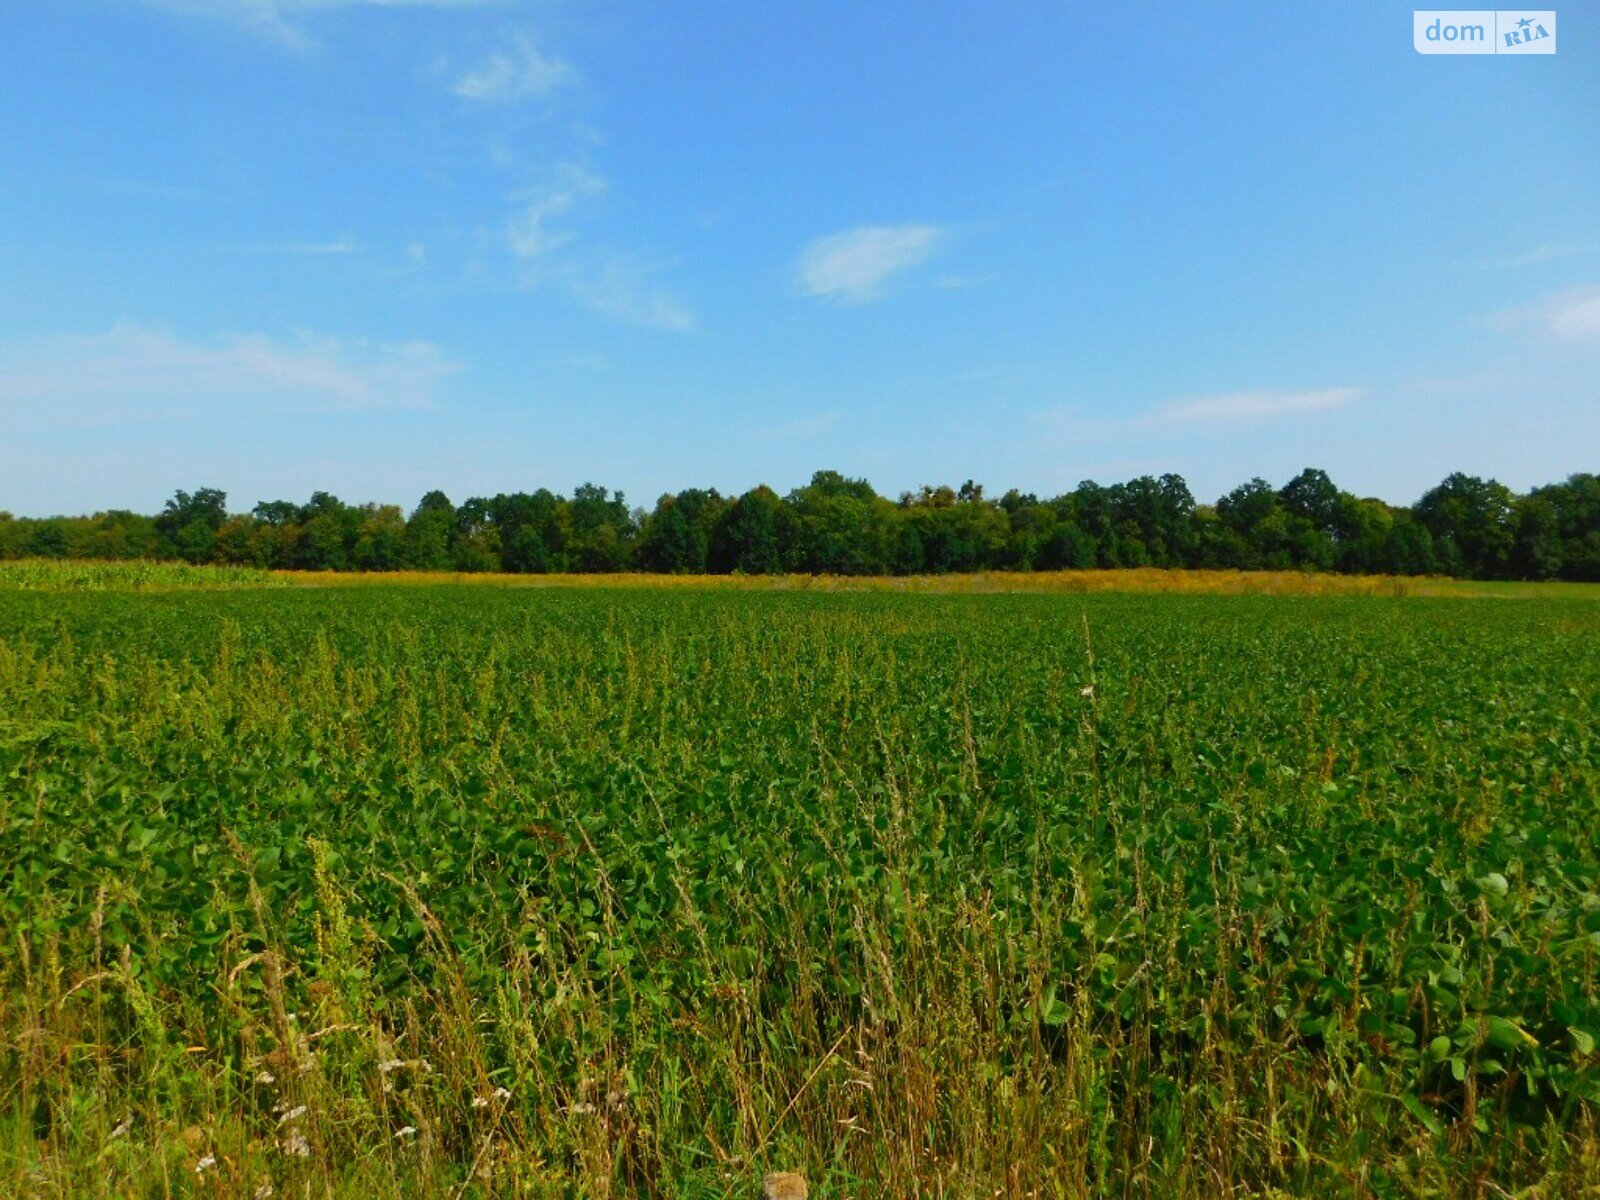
x=449, y=891
x=52, y=575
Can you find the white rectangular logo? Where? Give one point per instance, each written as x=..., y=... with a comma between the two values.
x=1484, y=31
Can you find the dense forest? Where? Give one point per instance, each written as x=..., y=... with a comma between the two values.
x=1466, y=526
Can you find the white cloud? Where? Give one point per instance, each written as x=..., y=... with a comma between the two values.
x=1578, y=317
x=1249, y=406
x=1546, y=252
x=799, y=430
x=1572, y=315
x=342, y=246
x=519, y=73
x=622, y=289
x=305, y=249
x=530, y=232
x=617, y=286
x=956, y=283
x=854, y=265
x=277, y=18
x=256, y=10
x=137, y=374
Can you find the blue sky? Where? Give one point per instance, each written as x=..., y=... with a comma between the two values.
x=382, y=246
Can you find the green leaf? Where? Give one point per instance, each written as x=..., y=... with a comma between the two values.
x=1423, y=1113
x=1505, y=1034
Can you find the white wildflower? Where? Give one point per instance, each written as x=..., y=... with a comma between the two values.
x=294, y=1114
x=205, y=1164
x=266, y=1078
x=406, y=1131
x=405, y=1064
x=122, y=1129
x=480, y=1102
x=502, y=1094
x=264, y=1192
x=295, y=1145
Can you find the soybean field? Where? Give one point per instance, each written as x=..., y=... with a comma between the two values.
x=394, y=891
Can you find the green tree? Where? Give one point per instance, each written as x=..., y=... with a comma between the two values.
x=119, y=534
x=532, y=530
x=841, y=527
x=1365, y=527
x=1252, y=513
x=380, y=539
x=666, y=543
x=430, y=532
x=475, y=542
x=188, y=524
x=1574, y=505
x=326, y=531
x=1153, y=520
x=602, y=530
x=1473, y=523
x=956, y=531
x=751, y=536
x=1410, y=548
x=676, y=538
x=1312, y=497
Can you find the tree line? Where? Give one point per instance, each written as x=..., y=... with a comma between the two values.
x=1466, y=526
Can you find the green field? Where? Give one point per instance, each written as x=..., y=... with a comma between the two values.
x=471, y=891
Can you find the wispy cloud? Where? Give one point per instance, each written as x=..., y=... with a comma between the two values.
x=856, y=264
x=1249, y=406
x=1070, y=418
x=1572, y=315
x=799, y=430
x=176, y=193
x=531, y=232
x=521, y=72
x=1547, y=252
x=956, y=283
x=623, y=289
x=620, y=287
x=1576, y=315
x=136, y=374
x=306, y=249
x=281, y=19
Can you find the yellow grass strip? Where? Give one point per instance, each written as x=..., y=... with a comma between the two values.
x=1219, y=583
